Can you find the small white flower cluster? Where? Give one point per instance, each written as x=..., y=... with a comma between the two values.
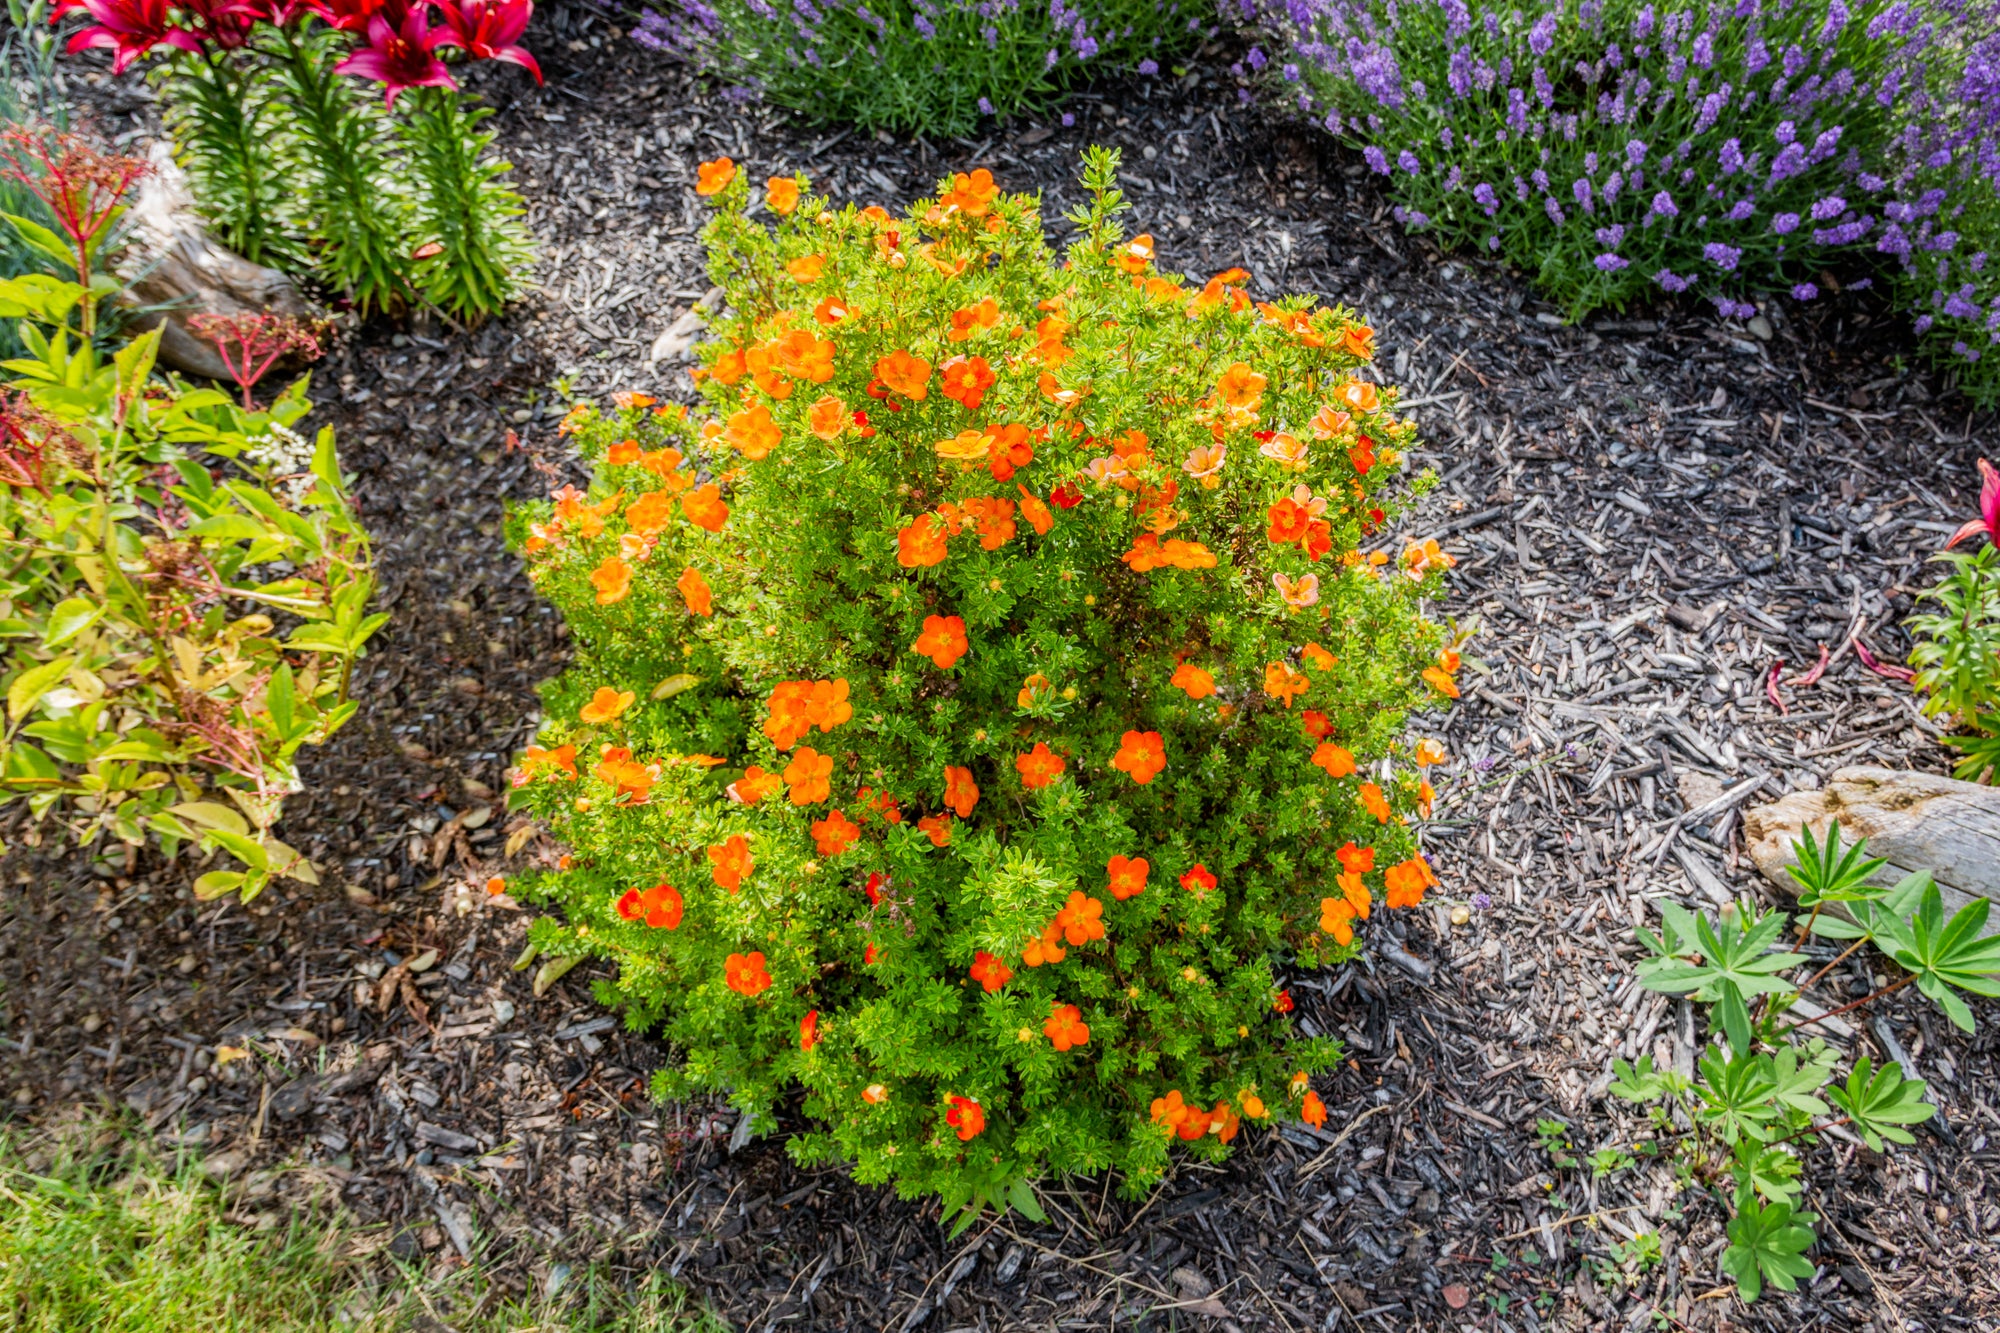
x=288, y=456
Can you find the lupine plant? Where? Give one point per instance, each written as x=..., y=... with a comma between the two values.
x=979, y=698
x=183, y=584
x=1957, y=653
x=929, y=66
x=1759, y=1097
x=1621, y=149
x=294, y=164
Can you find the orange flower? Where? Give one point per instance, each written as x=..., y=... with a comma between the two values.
x=809, y=1030
x=730, y=862
x=1172, y=1110
x=1373, y=802
x=1362, y=455
x=966, y=1117
x=1288, y=521
x=1199, y=881
x=1425, y=795
x=1298, y=593
x=1405, y=883
x=809, y=776
x=1204, y=464
x=612, y=579
x=659, y=907
x=1356, y=893
x=1335, y=916
x=1358, y=340
x=712, y=177
x=1141, y=754
x=630, y=779
x=695, y=592
x=937, y=828
x=1429, y=752
x=1358, y=396
x=834, y=834
x=1330, y=423
x=990, y=972
x=1440, y=680
x=1317, y=657
x=1223, y=1121
x=971, y=194
x=1128, y=876
x=831, y=309
x=606, y=705
x=650, y=512
x=995, y=520
x=1045, y=949
x=745, y=974
x=828, y=417
x=1313, y=1112
x=729, y=366
x=1039, y=766
x=1338, y=762
x=754, y=786
x=806, y=268
x=906, y=374
x=972, y=320
x=1081, y=918
x=704, y=507
x=1317, y=724
x=1198, y=683
x=1420, y=558
x=966, y=380
x=797, y=706
x=1284, y=684
x=874, y=1094
x=943, y=640
x=961, y=793
x=1240, y=386
x=1135, y=254
x=1065, y=1027
x=752, y=432
x=1356, y=860
x=559, y=762
x=623, y=453
x=1287, y=451
x=781, y=194
x=1040, y=517
x=1032, y=689
x=1149, y=553
x=922, y=543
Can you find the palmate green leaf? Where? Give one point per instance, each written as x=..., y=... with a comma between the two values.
x=1949, y=956
x=1736, y=1095
x=1825, y=873
x=1878, y=1102
x=1767, y=1243
x=1772, y=1172
x=1735, y=962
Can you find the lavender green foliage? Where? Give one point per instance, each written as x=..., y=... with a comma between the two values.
x=928, y=66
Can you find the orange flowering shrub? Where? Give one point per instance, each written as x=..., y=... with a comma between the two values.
x=973, y=709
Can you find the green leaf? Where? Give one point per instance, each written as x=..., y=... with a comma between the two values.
x=211, y=815
x=1878, y=1101
x=27, y=766
x=1735, y=962
x=42, y=239
x=135, y=361
x=1736, y=1096
x=244, y=848
x=234, y=527
x=1767, y=1243
x=69, y=618
x=279, y=697
x=218, y=882
x=1824, y=874
x=29, y=687
x=1636, y=1083
x=1950, y=956
x=1022, y=1196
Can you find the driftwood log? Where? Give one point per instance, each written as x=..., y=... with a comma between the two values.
x=174, y=269
x=1919, y=821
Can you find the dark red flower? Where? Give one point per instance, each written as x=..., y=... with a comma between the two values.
x=400, y=56
x=129, y=27
x=488, y=30
x=1988, y=521
x=1066, y=496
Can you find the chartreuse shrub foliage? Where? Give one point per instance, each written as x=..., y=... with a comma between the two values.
x=984, y=688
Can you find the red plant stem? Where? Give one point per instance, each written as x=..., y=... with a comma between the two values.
x=1889, y=989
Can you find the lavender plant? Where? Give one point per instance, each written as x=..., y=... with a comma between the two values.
x=929, y=66
x=1615, y=148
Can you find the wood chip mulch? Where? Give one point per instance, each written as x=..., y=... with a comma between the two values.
x=1650, y=513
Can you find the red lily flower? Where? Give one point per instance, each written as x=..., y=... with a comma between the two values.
x=352, y=15
x=227, y=23
x=1988, y=521
x=131, y=28
x=399, y=57
x=488, y=30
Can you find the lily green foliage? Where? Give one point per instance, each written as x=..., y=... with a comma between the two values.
x=183, y=592
x=1957, y=657
x=1039, y=650
x=1760, y=1094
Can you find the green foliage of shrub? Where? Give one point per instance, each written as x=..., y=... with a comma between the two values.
x=973, y=579
x=922, y=66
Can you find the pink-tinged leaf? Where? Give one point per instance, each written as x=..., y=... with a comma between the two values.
x=1881, y=668
x=1771, y=688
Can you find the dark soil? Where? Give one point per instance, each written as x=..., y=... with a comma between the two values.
x=1649, y=513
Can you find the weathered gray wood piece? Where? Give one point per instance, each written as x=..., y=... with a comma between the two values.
x=1919, y=821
